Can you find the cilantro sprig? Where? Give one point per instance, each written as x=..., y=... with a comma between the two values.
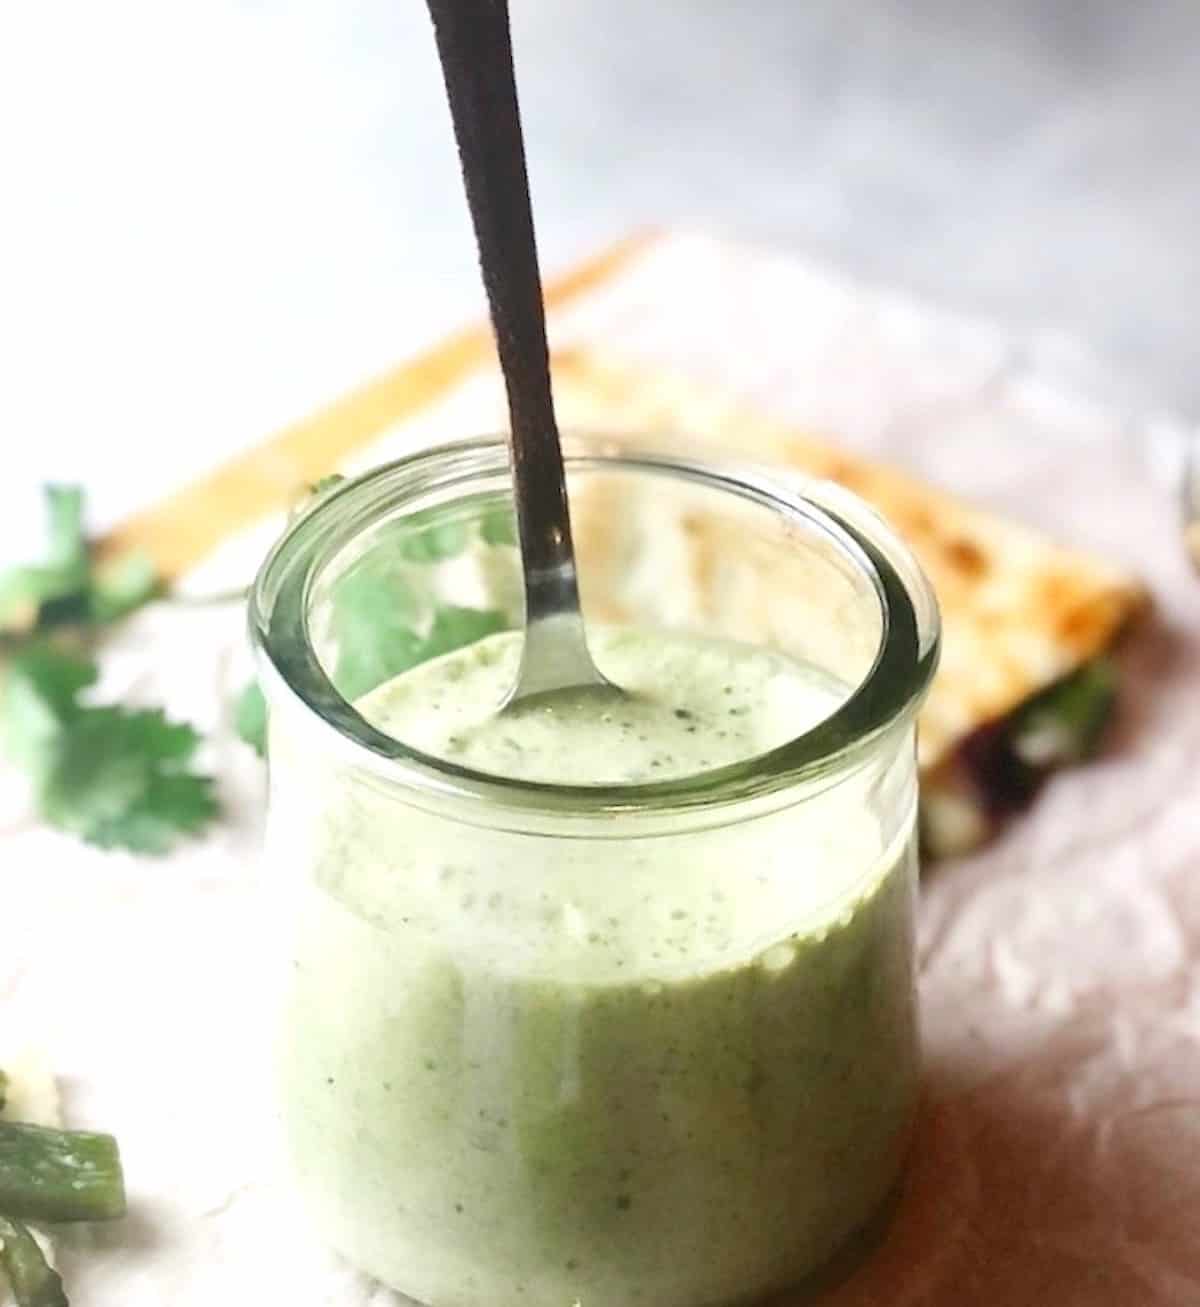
x=118, y=777
x=124, y=777
x=379, y=637
x=382, y=612
x=69, y=587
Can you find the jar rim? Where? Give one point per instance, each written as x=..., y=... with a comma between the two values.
x=889, y=693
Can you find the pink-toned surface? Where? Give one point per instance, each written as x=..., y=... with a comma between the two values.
x=1059, y=1158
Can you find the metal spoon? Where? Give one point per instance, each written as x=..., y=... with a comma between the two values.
x=476, y=53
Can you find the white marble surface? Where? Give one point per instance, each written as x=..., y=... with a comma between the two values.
x=216, y=216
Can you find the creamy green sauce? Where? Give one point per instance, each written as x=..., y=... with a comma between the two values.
x=661, y=1071
x=690, y=706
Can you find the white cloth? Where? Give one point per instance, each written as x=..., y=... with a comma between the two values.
x=1060, y=1155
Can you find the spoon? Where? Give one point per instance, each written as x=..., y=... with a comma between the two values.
x=476, y=53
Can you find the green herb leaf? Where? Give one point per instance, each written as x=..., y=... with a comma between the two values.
x=171, y=806
x=377, y=618
x=64, y=589
x=120, y=780
x=1064, y=723
x=120, y=587
x=38, y=698
x=428, y=538
x=66, y=544
x=115, y=776
x=376, y=657
x=56, y=589
x=374, y=614
x=250, y=718
x=455, y=627
x=499, y=527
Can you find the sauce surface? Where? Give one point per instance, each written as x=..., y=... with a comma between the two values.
x=690, y=705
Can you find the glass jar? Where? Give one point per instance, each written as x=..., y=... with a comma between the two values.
x=647, y=1043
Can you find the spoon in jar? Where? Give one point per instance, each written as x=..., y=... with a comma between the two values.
x=476, y=54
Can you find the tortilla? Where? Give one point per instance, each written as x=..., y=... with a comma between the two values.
x=1020, y=612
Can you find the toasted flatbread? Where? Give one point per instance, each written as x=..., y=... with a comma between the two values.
x=1020, y=612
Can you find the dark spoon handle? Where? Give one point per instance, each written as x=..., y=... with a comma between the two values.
x=476, y=52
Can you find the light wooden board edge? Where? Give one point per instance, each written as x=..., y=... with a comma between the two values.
x=180, y=530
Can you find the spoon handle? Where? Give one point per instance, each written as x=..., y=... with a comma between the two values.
x=476, y=52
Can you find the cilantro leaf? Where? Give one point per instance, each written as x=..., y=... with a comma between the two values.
x=38, y=692
x=374, y=612
x=250, y=718
x=119, y=779
x=455, y=627
x=115, y=776
x=56, y=589
x=376, y=620
x=380, y=620
x=65, y=588
x=374, y=657
x=66, y=544
x=428, y=538
x=54, y=676
x=173, y=804
x=498, y=527
x=120, y=587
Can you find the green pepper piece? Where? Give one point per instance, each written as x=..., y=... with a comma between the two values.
x=34, y=1282
x=1064, y=723
x=59, y=1175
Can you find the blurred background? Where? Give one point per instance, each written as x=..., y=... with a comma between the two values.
x=217, y=216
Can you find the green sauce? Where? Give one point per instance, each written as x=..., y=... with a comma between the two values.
x=690, y=706
x=660, y=1071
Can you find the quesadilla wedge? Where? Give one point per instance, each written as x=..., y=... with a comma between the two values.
x=1025, y=684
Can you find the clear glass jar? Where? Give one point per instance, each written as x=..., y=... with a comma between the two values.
x=649, y=1043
